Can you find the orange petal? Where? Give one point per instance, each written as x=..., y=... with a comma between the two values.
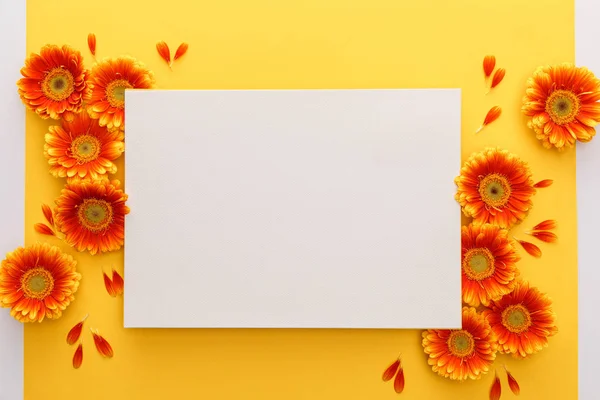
x=490, y=117
x=545, y=225
x=512, y=383
x=102, y=345
x=75, y=332
x=181, y=50
x=118, y=284
x=43, y=229
x=78, y=356
x=544, y=183
x=391, y=371
x=489, y=62
x=498, y=76
x=92, y=43
x=531, y=248
x=109, y=285
x=544, y=236
x=48, y=214
x=496, y=389
x=399, y=381
x=163, y=50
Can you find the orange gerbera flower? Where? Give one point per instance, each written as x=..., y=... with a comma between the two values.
x=522, y=320
x=54, y=82
x=495, y=187
x=82, y=148
x=562, y=101
x=488, y=264
x=92, y=215
x=37, y=282
x=462, y=353
x=110, y=78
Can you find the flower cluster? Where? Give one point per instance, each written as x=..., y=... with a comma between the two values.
x=88, y=105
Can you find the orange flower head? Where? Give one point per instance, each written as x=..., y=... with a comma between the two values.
x=522, y=320
x=91, y=215
x=37, y=282
x=110, y=78
x=82, y=149
x=495, y=187
x=488, y=264
x=562, y=101
x=54, y=82
x=462, y=353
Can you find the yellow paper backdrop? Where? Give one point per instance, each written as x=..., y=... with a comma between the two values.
x=309, y=44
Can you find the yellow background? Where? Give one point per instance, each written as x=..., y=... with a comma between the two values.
x=309, y=44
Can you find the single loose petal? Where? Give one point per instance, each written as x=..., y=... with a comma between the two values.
x=489, y=63
x=512, y=383
x=545, y=225
x=48, y=214
x=44, y=229
x=498, y=76
x=164, y=52
x=109, y=285
x=399, y=381
x=496, y=389
x=543, y=184
x=92, y=43
x=181, y=50
x=102, y=345
x=118, y=283
x=78, y=356
x=391, y=371
x=530, y=248
x=492, y=115
x=75, y=332
x=544, y=236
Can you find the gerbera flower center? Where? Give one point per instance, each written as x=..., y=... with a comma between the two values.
x=37, y=283
x=478, y=264
x=95, y=215
x=85, y=148
x=495, y=190
x=115, y=92
x=461, y=343
x=562, y=106
x=516, y=318
x=58, y=84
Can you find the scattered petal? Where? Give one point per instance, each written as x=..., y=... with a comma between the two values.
x=48, y=214
x=164, y=52
x=78, y=356
x=44, y=229
x=102, y=345
x=543, y=184
x=545, y=225
x=399, y=381
x=544, y=236
x=531, y=248
x=496, y=389
x=512, y=383
x=181, y=50
x=490, y=117
x=75, y=332
x=489, y=63
x=109, y=285
x=391, y=371
x=92, y=43
x=118, y=283
x=498, y=76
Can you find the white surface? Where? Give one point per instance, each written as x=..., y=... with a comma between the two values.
x=587, y=32
x=295, y=208
x=12, y=182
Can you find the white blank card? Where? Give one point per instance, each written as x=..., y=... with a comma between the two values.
x=292, y=209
